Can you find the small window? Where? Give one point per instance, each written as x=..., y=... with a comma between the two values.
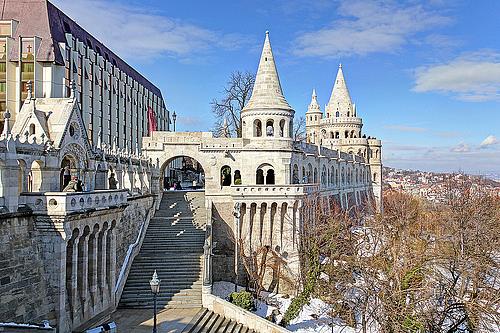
x=67, y=29
x=225, y=176
x=32, y=129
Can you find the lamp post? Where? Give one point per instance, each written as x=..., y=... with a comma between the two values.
x=174, y=117
x=155, y=288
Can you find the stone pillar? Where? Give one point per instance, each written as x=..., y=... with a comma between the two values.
x=104, y=285
x=93, y=244
x=256, y=241
x=288, y=237
x=267, y=232
x=10, y=187
x=119, y=175
x=276, y=230
x=83, y=288
x=246, y=228
x=112, y=264
x=75, y=302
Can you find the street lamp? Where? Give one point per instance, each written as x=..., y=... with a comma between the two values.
x=155, y=288
x=174, y=117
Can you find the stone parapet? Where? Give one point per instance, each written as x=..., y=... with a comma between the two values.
x=61, y=203
x=273, y=190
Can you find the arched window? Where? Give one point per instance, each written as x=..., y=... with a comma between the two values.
x=295, y=175
x=343, y=176
x=346, y=134
x=282, y=127
x=323, y=175
x=337, y=114
x=348, y=114
x=270, y=177
x=225, y=176
x=304, y=176
x=237, y=177
x=315, y=175
x=270, y=128
x=257, y=128
x=374, y=177
x=337, y=135
x=259, y=177
x=32, y=129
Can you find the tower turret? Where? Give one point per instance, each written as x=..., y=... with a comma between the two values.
x=267, y=114
x=340, y=103
x=313, y=119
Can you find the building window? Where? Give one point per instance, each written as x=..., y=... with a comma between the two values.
x=237, y=177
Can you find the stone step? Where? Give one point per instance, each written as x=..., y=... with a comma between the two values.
x=206, y=321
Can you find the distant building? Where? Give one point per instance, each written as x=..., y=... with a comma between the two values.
x=41, y=44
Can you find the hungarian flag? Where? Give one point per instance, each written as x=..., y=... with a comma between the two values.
x=152, y=123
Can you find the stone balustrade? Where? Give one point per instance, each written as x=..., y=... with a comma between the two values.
x=342, y=120
x=61, y=203
x=279, y=190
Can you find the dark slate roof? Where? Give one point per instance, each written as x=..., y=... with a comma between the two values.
x=42, y=19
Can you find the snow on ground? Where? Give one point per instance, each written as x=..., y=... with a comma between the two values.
x=312, y=319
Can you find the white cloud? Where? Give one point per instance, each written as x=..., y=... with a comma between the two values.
x=136, y=32
x=473, y=77
x=489, y=141
x=366, y=27
x=461, y=148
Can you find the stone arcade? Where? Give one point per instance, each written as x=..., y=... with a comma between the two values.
x=254, y=185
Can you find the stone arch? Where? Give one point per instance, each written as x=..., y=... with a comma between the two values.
x=32, y=129
x=282, y=128
x=225, y=176
x=315, y=175
x=257, y=128
x=295, y=174
x=270, y=127
x=69, y=167
x=237, y=177
x=35, y=183
x=167, y=181
x=22, y=177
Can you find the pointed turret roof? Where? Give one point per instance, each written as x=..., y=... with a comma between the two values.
x=267, y=93
x=314, y=105
x=340, y=100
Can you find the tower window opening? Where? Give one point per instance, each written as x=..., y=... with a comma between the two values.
x=270, y=128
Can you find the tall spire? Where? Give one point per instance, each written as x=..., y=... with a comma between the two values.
x=314, y=105
x=340, y=100
x=267, y=93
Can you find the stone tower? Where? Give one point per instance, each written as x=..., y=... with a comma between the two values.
x=267, y=114
x=341, y=129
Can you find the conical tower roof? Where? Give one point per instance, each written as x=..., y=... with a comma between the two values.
x=314, y=105
x=267, y=93
x=340, y=100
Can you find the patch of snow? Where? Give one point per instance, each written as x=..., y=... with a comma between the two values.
x=44, y=325
x=312, y=319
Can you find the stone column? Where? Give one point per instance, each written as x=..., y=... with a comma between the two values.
x=276, y=231
x=256, y=228
x=112, y=257
x=74, y=280
x=93, y=243
x=288, y=238
x=246, y=228
x=83, y=258
x=104, y=285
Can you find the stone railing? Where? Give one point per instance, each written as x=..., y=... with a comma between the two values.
x=68, y=202
x=278, y=190
x=241, y=316
x=342, y=120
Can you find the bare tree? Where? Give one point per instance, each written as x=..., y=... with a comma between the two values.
x=299, y=129
x=235, y=96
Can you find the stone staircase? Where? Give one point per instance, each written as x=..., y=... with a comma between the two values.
x=206, y=321
x=173, y=245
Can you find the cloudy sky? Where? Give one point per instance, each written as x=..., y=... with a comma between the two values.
x=425, y=75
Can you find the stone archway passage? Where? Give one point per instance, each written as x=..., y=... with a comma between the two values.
x=182, y=172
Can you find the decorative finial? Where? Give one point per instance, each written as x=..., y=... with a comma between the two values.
x=29, y=87
x=314, y=93
x=6, y=128
x=267, y=32
x=340, y=65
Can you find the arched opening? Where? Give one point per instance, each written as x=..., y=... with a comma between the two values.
x=35, y=182
x=282, y=127
x=263, y=174
x=309, y=173
x=315, y=175
x=22, y=181
x=69, y=168
x=259, y=177
x=237, y=177
x=337, y=114
x=270, y=128
x=182, y=172
x=337, y=135
x=270, y=177
x=323, y=175
x=257, y=128
x=32, y=129
x=346, y=134
x=304, y=177
x=225, y=176
x=295, y=175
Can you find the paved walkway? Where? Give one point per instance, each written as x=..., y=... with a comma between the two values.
x=141, y=320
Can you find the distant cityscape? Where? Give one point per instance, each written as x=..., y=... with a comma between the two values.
x=433, y=185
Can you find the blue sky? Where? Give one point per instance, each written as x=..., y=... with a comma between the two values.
x=425, y=75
